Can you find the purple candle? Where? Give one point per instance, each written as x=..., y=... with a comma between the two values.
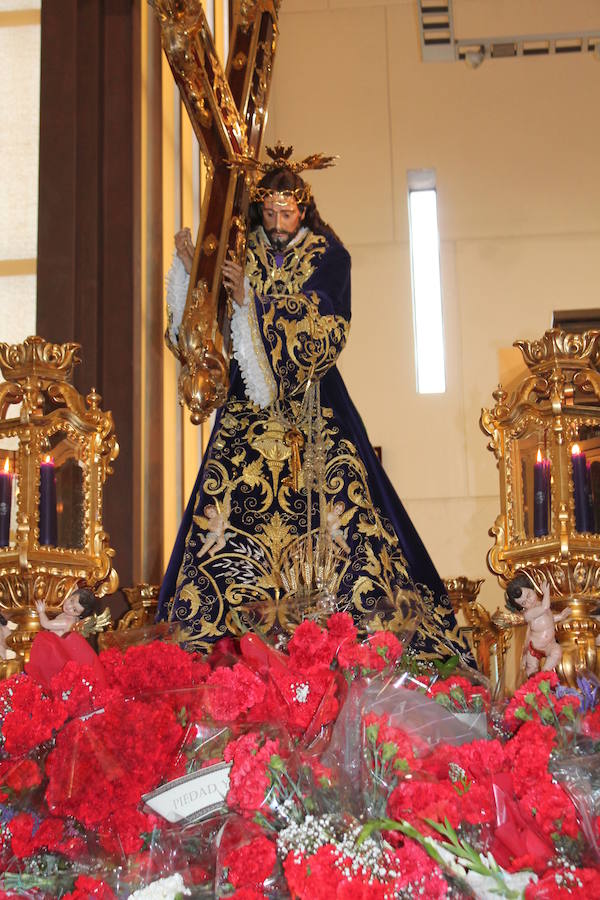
x=5, y=503
x=540, y=497
x=580, y=488
x=47, y=503
x=590, y=500
x=548, y=474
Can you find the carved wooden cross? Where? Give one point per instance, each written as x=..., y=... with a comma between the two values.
x=228, y=114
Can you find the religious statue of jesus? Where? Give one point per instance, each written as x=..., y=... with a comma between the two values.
x=290, y=322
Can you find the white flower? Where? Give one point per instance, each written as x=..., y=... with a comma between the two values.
x=302, y=692
x=163, y=889
x=306, y=837
x=485, y=887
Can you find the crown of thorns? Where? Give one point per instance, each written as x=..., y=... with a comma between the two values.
x=300, y=195
x=280, y=159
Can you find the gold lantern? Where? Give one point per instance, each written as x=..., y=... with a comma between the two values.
x=546, y=438
x=56, y=450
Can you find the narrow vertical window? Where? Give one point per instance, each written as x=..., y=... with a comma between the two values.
x=426, y=282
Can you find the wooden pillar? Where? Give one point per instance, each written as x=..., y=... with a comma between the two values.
x=97, y=284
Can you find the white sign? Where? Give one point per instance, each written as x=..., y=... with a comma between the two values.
x=193, y=797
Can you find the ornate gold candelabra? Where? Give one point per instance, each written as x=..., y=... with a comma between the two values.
x=463, y=593
x=56, y=450
x=546, y=438
x=491, y=635
x=143, y=603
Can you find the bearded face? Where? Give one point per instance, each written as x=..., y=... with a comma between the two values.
x=282, y=219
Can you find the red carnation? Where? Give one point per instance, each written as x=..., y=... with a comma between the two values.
x=86, y=887
x=407, y=747
x=480, y=760
x=416, y=867
x=249, y=778
x=306, y=695
x=354, y=657
x=380, y=650
x=248, y=894
x=527, y=755
x=562, y=884
x=590, y=724
x=322, y=775
x=316, y=877
x=151, y=667
x=416, y=801
x=534, y=699
x=385, y=650
x=122, y=831
x=29, y=717
x=232, y=692
x=76, y=686
x=252, y=864
x=552, y=808
x=52, y=835
x=460, y=692
x=107, y=761
x=21, y=829
x=342, y=631
x=19, y=776
x=310, y=647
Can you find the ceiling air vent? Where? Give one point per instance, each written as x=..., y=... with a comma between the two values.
x=439, y=43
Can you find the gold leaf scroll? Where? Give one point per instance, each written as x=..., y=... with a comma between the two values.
x=227, y=110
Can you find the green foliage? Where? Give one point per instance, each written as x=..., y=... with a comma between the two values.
x=446, y=667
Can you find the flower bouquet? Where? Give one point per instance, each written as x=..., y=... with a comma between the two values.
x=332, y=767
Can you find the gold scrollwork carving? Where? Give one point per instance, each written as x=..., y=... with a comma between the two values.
x=228, y=111
x=561, y=349
x=262, y=77
x=203, y=380
x=210, y=244
x=251, y=9
x=183, y=13
x=143, y=600
x=37, y=358
x=489, y=638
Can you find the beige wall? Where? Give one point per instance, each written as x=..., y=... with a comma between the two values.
x=19, y=114
x=515, y=145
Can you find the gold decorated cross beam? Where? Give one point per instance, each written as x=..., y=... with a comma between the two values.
x=227, y=110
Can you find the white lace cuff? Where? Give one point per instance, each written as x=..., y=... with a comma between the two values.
x=177, y=282
x=249, y=351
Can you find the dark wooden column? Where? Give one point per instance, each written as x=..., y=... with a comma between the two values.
x=89, y=210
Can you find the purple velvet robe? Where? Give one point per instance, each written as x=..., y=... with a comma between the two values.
x=248, y=509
